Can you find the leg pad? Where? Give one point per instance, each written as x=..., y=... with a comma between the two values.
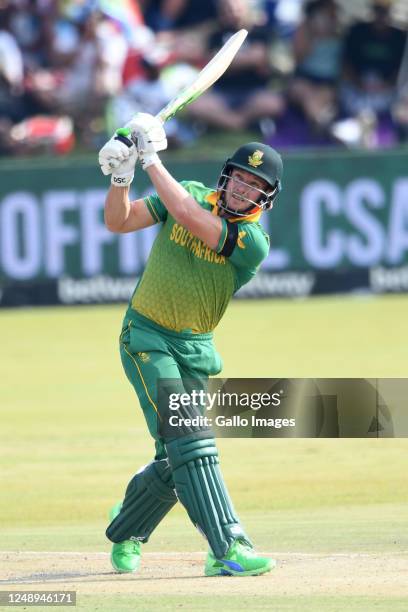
x=200, y=488
x=149, y=497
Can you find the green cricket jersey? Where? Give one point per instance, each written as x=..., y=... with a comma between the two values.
x=186, y=285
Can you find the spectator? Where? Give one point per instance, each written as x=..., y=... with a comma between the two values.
x=70, y=57
x=16, y=103
x=371, y=60
x=86, y=52
x=400, y=108
x=149, y=85
x=11, y=73
x=164, y=15
x=317, y=52
x=181, y=26
x=241, y=96
x=283, y=15
x=28, y=23
x=94, y=74
x=12, y=107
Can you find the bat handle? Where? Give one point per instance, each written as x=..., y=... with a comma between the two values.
x=161, y=116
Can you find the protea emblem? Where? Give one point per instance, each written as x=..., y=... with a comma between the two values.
x=240, y=241
x=255, y=159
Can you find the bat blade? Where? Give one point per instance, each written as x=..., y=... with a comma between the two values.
x=207, y=77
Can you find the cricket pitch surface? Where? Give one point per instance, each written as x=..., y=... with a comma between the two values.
x=358, y=574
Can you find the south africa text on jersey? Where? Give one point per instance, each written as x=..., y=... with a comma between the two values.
x=184, y=238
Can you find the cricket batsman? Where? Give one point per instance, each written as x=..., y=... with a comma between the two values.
x=210, y=243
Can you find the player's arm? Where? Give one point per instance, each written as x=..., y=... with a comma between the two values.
x=184, y=208
x=118, y=158
x=151, y=138
x=122, y=215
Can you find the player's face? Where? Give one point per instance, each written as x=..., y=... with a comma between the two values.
x=243, y=186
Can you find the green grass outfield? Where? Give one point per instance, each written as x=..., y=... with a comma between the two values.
x=72, y=434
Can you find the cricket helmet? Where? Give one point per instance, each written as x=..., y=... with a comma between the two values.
x=263, y=162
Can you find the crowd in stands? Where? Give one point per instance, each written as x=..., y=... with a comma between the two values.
x=71, y=71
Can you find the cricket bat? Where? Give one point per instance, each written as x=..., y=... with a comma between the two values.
x=207, y=77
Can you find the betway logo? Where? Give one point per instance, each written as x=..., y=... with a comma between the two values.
x=389, y=279
x=296, y=284
x=97, y=289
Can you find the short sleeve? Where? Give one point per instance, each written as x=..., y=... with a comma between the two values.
x=252, y=247
x=156, y=208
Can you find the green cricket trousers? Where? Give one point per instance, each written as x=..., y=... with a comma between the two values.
x=149, y=352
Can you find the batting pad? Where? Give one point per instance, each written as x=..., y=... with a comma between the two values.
x=200, y=488
x=149, y=497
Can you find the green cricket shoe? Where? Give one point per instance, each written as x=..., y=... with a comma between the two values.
x=125, y=556
x=240, y=560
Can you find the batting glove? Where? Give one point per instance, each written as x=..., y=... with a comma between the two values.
x=118, y=157
x=150, y=135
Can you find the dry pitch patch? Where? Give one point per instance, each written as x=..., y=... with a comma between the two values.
x=300, y=574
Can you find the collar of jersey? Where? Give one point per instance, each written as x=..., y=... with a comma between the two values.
x=212, y=198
